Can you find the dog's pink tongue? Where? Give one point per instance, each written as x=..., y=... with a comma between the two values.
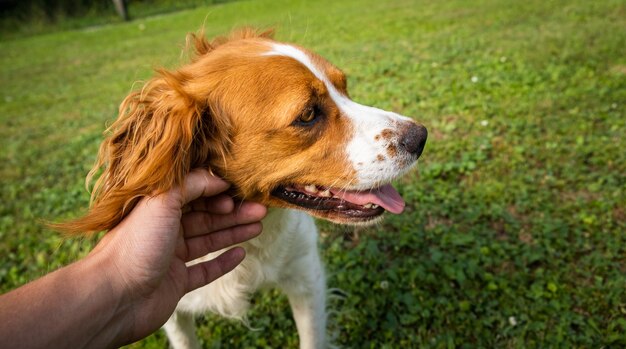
x=385, y=196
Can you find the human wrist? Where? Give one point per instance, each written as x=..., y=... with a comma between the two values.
x=110, y=300
x=76, y=306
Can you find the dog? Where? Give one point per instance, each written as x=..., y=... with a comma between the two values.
x=276, y=121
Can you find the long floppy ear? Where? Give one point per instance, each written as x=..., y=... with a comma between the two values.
x=161, y=133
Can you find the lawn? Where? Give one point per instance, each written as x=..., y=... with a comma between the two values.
x=514, y=235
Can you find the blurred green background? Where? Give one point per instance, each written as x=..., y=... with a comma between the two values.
x=514, y=233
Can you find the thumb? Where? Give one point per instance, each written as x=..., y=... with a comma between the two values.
x=200, y=182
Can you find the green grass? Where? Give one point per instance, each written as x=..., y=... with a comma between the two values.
x=33, y=19
x=515, y=233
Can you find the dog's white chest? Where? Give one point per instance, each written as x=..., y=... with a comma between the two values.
x=273, y=259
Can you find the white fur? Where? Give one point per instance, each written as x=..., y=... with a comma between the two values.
x=284, y=256
x=367, y=122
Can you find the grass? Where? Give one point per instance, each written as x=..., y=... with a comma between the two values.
x=514, y=235
x=33, y=19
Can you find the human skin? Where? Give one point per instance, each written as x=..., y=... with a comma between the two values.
x=130, y=283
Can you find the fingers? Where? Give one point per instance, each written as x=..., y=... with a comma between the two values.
x=205, y=273
x=200, y=183
x=202, y=245
x=198, y=223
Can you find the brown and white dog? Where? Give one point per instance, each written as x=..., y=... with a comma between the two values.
x=276, y=121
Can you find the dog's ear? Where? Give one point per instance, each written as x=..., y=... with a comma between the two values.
x=162, y=132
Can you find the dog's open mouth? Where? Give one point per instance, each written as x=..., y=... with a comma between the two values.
x=352, y=205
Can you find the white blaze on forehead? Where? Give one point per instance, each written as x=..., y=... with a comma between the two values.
x=368, y=122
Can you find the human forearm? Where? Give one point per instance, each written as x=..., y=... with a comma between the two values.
x=73, y=307
x=130, y=283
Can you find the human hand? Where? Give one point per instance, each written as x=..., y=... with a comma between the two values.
x=149, y=248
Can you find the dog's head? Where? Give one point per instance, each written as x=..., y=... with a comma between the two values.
x=273, y=119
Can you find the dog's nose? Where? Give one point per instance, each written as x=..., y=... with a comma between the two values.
x=413, y=139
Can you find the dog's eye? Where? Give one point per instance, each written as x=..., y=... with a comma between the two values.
x=307, y=116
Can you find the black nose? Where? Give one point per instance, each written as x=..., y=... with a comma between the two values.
x=413, y=139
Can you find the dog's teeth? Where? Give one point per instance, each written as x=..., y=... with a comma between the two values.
x=374, y=206
x=367, y=205
x=311, y=188
x=326, y=193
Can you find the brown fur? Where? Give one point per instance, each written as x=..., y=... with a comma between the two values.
x=230, y=110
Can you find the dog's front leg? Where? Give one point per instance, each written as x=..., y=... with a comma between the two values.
x=181, y=331
x=306, y=290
